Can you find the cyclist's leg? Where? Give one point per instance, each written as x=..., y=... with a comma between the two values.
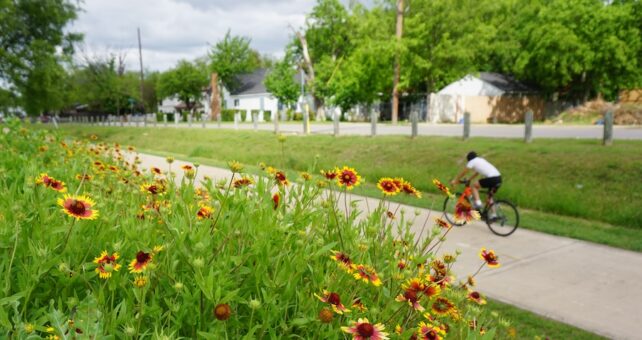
x=475, y=188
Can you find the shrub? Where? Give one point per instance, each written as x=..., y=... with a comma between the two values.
x=227, y=115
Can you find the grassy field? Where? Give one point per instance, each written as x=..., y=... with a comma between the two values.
x=574, y=188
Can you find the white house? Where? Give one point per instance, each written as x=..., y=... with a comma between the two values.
x=488, y=97
x=250, y=94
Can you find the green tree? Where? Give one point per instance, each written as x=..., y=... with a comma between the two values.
x=231, y=57
x=186, y=81
x=31, y=33
x=280, y=81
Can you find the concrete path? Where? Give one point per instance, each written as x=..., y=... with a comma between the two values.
x=594, y=287
x=429, y=129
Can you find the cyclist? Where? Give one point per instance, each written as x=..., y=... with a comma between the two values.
x=491, y=180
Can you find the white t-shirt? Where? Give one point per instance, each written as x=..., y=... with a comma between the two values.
x=483, y=167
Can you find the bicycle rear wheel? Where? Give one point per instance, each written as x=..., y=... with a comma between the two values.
x=505, y=218
x=449, y=210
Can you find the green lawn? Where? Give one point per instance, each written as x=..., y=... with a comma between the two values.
x=574, y=188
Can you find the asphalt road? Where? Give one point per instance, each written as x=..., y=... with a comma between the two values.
x=428, y=129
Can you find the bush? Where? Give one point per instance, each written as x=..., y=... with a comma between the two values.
x=267, y=115
x=227, y=115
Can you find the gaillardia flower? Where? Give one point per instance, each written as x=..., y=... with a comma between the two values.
x=442, y=187
x=204, y=212
x=348, y=177
x=141, y=262
x=429, y=332
x=410, y=190
x=222, y=311
x=388, y=187
x=153, y=188
x=442, y=306
x=330, y=174
x=334, y=301
x=280, y=178
x=362, y=329
x=106, y=264
x=276, y=199
x=367, y=274
x=464, y=211
x=243, y=182
x=79, y=207
x=489, y=256
x=343, y=260
x=474, y=296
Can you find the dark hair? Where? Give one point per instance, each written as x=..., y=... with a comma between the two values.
x=471, y=155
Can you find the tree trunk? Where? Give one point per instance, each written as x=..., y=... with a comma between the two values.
x=395, y=84
x=215, y=104
x=319, y=106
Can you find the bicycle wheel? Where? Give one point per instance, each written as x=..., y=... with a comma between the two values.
x=505, y=220
x=449, y=210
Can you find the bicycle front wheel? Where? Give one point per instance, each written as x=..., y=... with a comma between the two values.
x=449, y=210
x=502, y=218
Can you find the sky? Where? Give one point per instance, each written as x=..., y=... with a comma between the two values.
x=172, y=30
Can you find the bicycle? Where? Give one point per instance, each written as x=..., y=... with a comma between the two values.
x=505, y=217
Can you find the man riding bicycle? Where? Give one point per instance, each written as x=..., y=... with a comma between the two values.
x=491, y=180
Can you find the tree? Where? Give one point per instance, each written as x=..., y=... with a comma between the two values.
x=186, y=81
x=280, y=82
x=231, y=57
x=32, y=33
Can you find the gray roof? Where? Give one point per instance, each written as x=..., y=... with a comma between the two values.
x=505, y=83
x=254, y=83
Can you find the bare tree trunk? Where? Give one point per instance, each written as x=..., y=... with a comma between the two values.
x=215, y=105
x=310, y=77
x=395, y=84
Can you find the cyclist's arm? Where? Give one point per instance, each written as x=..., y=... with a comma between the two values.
x=461, y=174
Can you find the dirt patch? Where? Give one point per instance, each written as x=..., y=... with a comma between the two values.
x=592, y=112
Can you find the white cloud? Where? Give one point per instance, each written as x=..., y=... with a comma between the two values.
x=184, y=29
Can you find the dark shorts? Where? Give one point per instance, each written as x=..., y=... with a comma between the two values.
x=491, y=182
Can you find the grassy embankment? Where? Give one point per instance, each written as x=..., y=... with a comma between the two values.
x=574, y=188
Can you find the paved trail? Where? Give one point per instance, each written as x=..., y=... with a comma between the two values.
x=428, y=129
x=591, y=286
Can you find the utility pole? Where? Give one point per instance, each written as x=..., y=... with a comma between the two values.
x=142, y=86
x=397, y=75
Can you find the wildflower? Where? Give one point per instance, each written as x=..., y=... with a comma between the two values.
x=187, y=167
x=407, y=188
x=358, y=305
x=398, y=329
x=243, y=182
x=204, y=212
x=343, y=260
x=270, y=170
x=29, y=328
x=83, y=177
x=431, y=290
x=402, y=264
x=330, y=174
x=442, y=187
x=79, y=207
x=334, y=300
x=470, y=281
x=411, y=294
x=276, y=198
x=58, y=185
x=141, y=262
x=442, y=306
x=429, y=332
x=130, y=148
x=367, y=274
x=155, y=170
x=390, y=215
x=464, y=212
x=93, y=137
x=280, y=178
x=490, y=257
x=325, y=315
x=169, y=160
x=43, y=148
x=235, y=166
x=388, y=186
x=281, y=138
x=449, y=258
x=114, y=168
x=157, y=249
x=44, y=179
x=262, y=165
x=442, y=223
x=362, y=329
x=254, y=304
x=306, y=176
x=222, y=311
x=140, y=281
x=106, y=264
x=153, y=188
x=476, y=297
x=348, y=177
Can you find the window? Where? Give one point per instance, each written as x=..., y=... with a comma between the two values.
x=236, y=102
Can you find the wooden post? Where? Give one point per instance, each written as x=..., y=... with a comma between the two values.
x=122, y=120
x=255, y=120
x=415, y=128
x=237, y=117
x=608, y=128
x=189, y=119
x=203, y=118
x=335, y=118
x=165, y=119
x=466, y=125
x=137, y=121
x=276, y=121
x=176, y=118
x=373, y=123
x=219, y=118
x=528, y=126
x=306, y=121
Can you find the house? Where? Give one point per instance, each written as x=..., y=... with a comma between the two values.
x=488, y=97
x=249, y=95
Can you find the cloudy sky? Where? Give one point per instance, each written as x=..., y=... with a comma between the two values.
x=185, y=29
